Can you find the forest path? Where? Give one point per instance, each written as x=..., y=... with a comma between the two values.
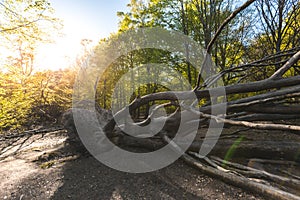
x=41, y=166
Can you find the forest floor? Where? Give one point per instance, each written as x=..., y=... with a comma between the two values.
x=42, y=166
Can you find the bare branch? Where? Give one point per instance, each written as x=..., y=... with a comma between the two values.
x=242, y=103
x=234, y=179
x=185, y=95
x=253, y=125
x=232, y=16
x=280, y=72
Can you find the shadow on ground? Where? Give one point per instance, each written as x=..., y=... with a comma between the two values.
x=86, y=178
x=89, y=179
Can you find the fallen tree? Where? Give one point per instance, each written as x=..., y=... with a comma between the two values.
x=271, y=104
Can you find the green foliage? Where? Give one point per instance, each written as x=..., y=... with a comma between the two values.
x=28, y=97
x=15, y=104
x=45, y=96
x=238, y=43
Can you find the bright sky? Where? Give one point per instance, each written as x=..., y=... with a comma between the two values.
x=83, y=19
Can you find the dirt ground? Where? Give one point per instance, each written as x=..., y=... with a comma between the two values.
x=43, y=167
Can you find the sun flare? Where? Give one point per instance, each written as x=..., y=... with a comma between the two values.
x=63, y=52
x=59, y=55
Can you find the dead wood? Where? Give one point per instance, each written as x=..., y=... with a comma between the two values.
x=234, y=179
x=280, y=72
x=256, y=173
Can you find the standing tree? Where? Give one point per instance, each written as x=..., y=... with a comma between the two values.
x=268, y=102
x=24, y=26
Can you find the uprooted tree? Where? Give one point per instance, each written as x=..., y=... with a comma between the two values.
x=262, y=94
